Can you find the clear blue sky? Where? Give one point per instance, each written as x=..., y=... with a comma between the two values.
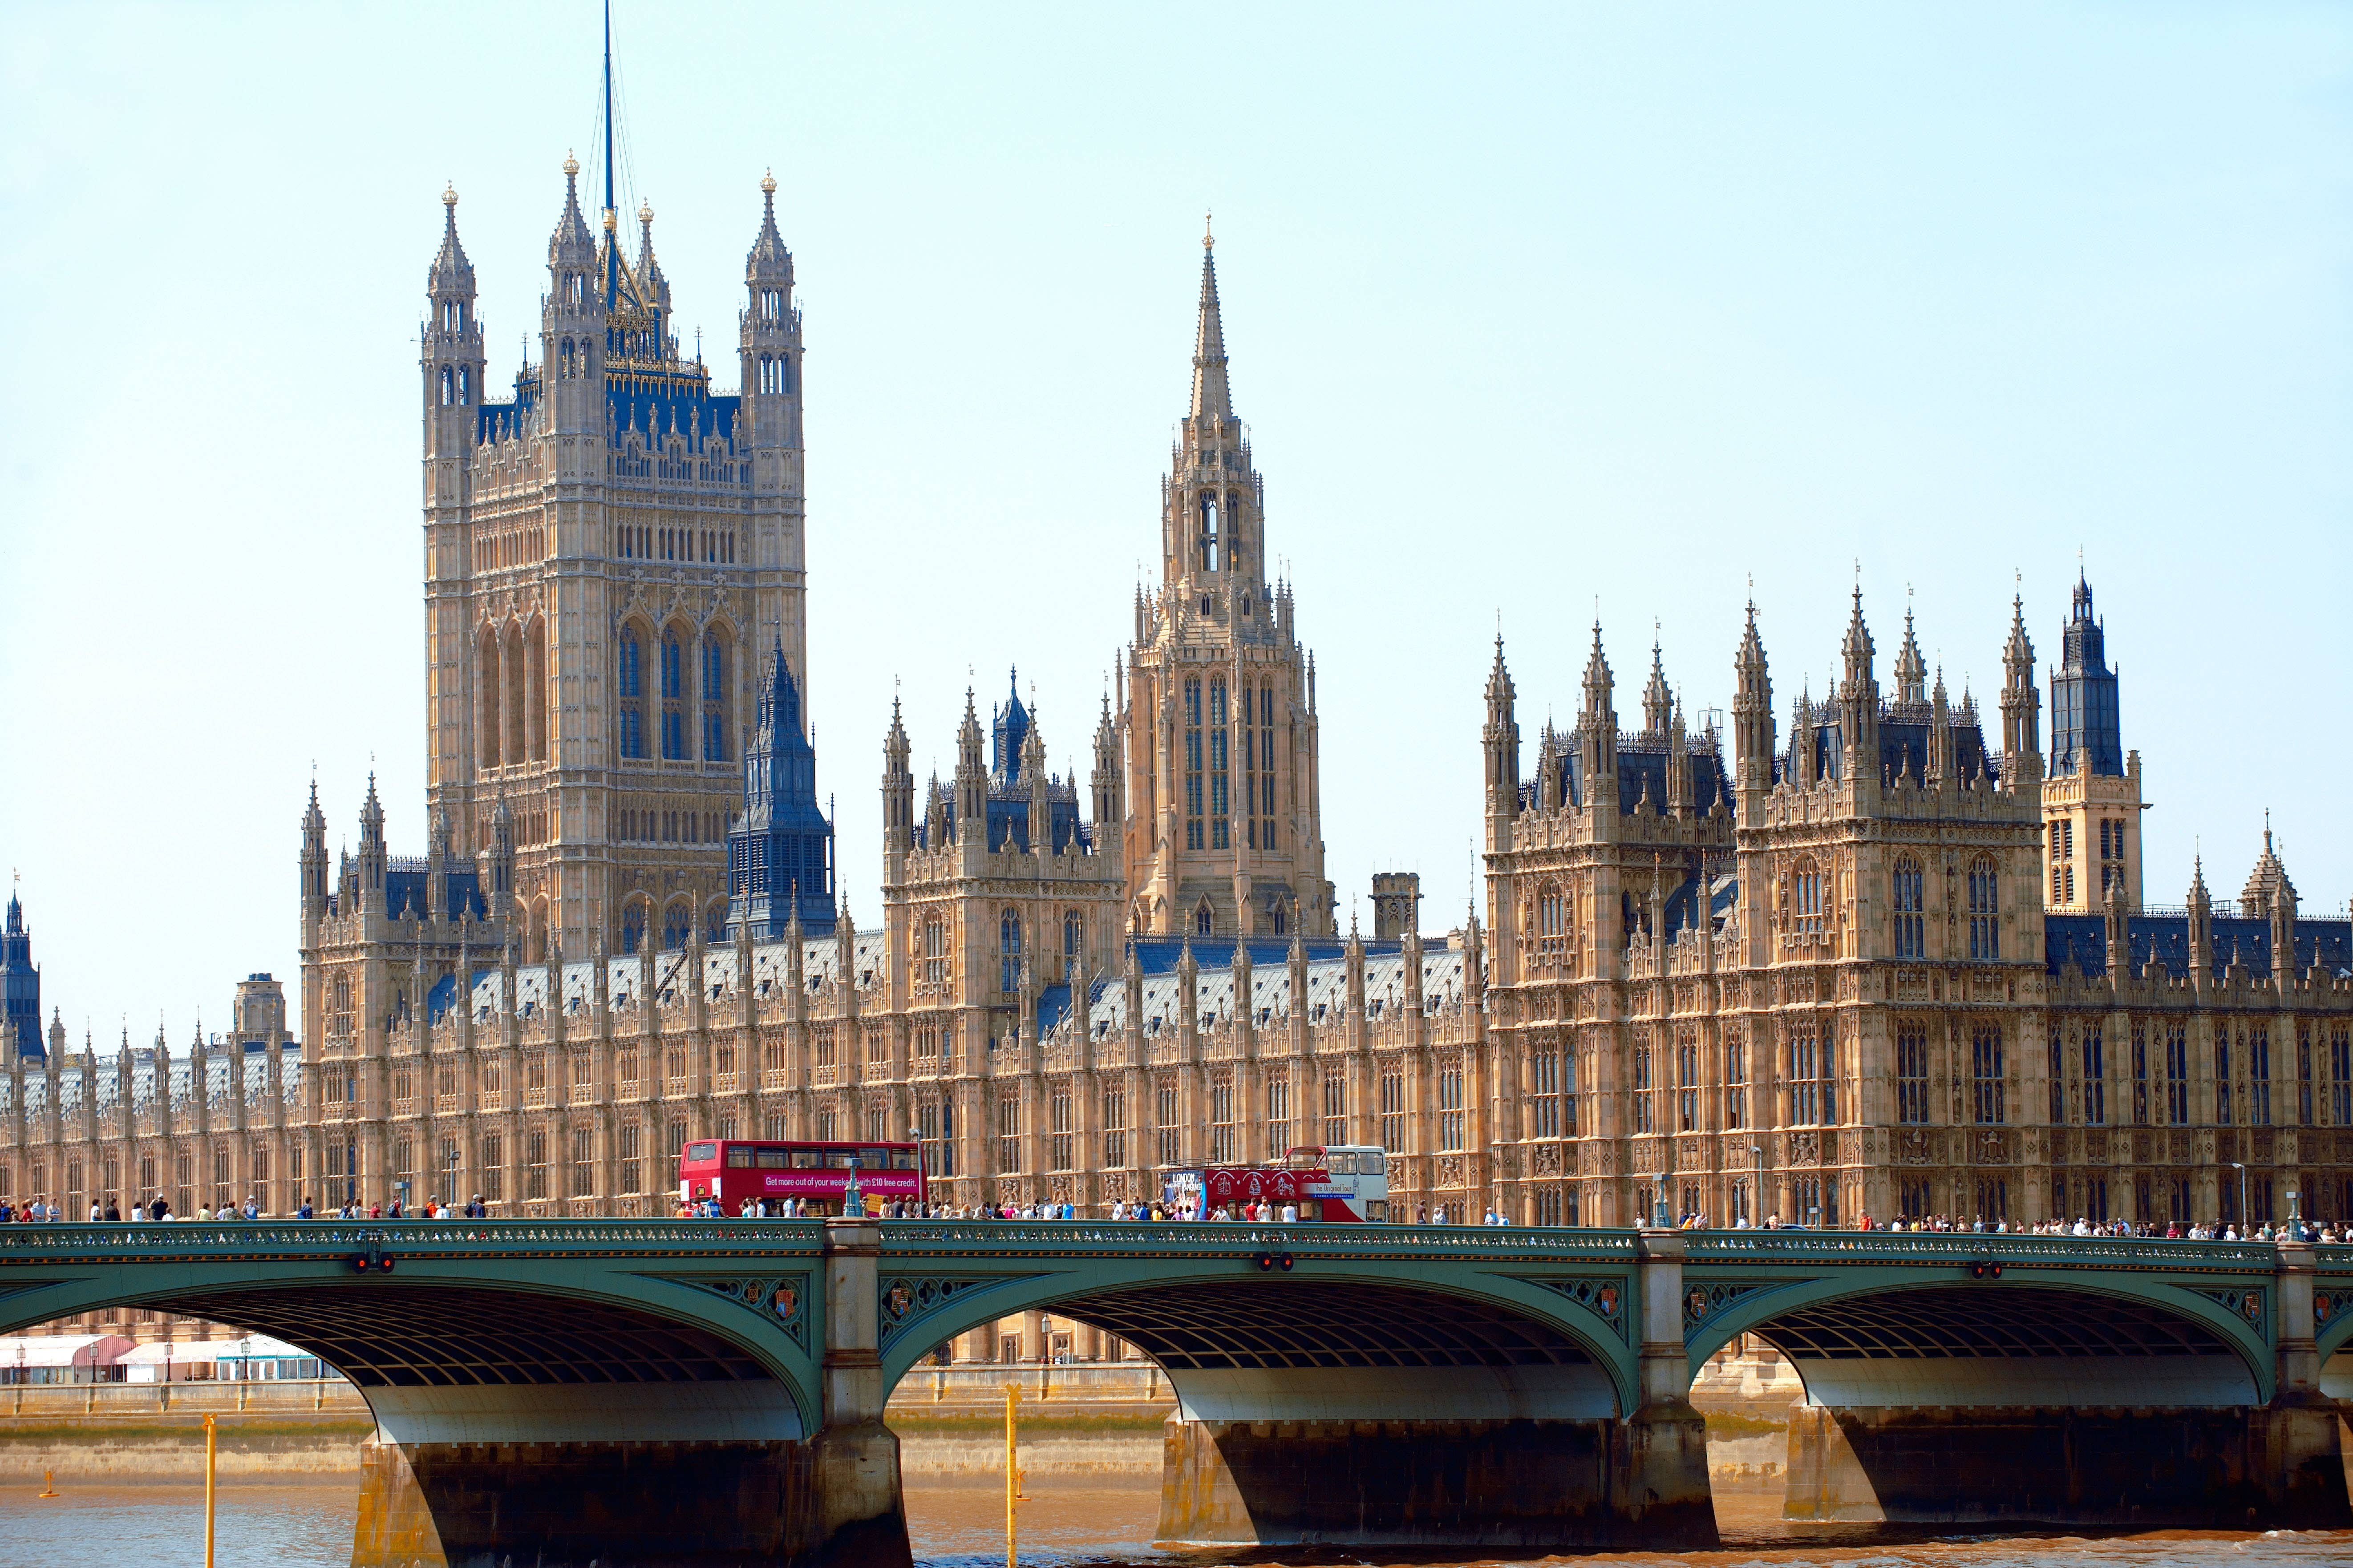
x=1528, y=309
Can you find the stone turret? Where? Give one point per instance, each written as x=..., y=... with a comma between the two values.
x=1752, y=718
x=1500, y=742
x=1596, y=724
x=2021, y=706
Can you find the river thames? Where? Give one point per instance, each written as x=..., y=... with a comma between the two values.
x=1106, y=1522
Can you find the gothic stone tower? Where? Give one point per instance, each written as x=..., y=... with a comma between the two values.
x=601, y=550
x=1224, y=827
x=2091, y=802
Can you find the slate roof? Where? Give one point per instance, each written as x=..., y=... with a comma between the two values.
x=2083, y=941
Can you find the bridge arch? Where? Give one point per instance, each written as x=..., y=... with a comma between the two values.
x=1329, y=1338
x=2033, y=1337
x=471, y=1349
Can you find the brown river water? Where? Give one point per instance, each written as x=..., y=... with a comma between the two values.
x=1078, y=1524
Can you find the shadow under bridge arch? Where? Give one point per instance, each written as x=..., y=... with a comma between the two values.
x=1327, y=1340
x=2049, y=1345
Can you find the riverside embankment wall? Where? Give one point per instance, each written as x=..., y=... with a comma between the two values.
x=1103, y=1419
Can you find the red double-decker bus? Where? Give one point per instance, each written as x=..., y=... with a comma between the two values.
x=815, y=1176
x=1344, y=1185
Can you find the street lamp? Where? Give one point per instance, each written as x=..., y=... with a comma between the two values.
x=1045, y=1337
x=923, y=1166
x=2242, y=1195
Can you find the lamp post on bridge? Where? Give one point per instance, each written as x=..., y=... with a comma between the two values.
x=923, y=1166
x=2242, y=1196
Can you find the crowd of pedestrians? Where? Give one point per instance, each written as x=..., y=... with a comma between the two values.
x=41, y=1209
x=38, y=1209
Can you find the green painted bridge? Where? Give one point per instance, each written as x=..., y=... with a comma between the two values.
x=713, y=1391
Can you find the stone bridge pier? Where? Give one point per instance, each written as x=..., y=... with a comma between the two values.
x=710, y=1465
x=1414, y=1420
x=2010, y=1402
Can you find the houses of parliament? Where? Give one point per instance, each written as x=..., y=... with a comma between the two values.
x=1870, y=953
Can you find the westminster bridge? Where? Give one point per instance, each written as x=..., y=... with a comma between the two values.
x=712, y=1392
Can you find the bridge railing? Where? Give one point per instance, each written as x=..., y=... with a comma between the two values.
x=1960, y=1246
x=1226, y=1237
x=341, y=1237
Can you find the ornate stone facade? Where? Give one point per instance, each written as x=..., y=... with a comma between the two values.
x=1820, y=982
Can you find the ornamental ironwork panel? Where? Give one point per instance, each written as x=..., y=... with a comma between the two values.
x=1604, y=1298
x=782, y=1300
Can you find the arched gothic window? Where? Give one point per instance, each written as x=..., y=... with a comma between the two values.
x=632, y=689
x=1208, y=531
x=1985, y=909
x=677, y=924
x=1911, y=937
x=1204, y=920
x=1074, y=941
x=534, y=685
x=633, y=926
x=517, y=747
x=488, y=691
x=1552, y=920
x=1806, y=896
x=1220, y=824
x=936, y=950
x=1008, y=952
x=465, y=385
x=448, y=386
x=673, y=690
x=715, y=697
x=1193, y=834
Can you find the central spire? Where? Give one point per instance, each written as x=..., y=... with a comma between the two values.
x=1212, y=397
x=612, y=246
